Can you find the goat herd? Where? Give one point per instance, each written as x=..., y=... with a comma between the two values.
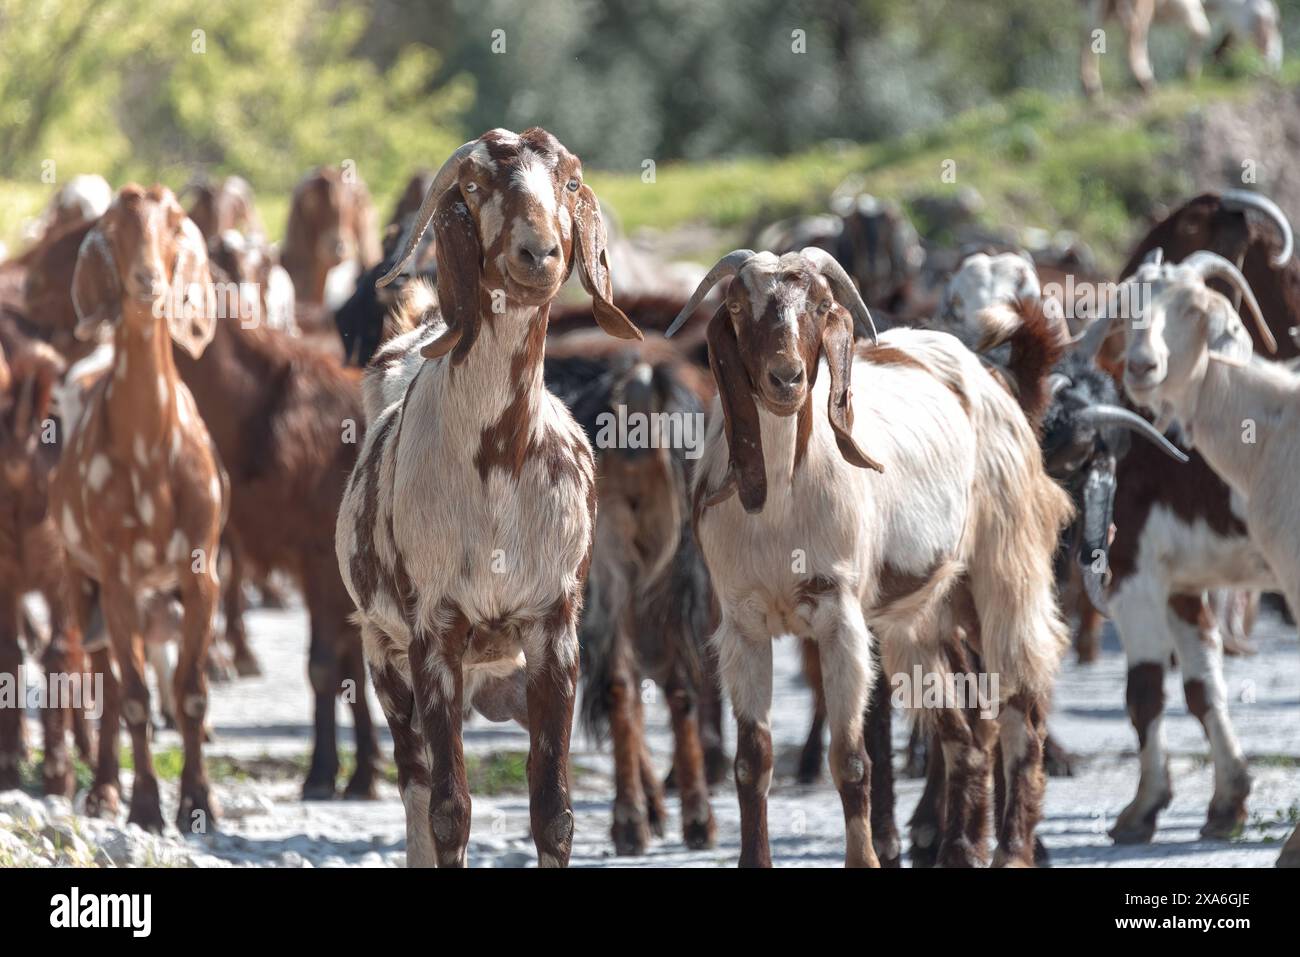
x=897, y=487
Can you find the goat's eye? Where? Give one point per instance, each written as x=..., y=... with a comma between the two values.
x=734, y=308
x=824, y=306
x=572, y=185
x=471, y=187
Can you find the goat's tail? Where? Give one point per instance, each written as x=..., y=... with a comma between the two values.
x=1018, y=517
x=1038, y=339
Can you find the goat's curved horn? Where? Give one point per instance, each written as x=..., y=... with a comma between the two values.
x=1090, y=339
x=1103, y=414
x=1210, y=265
x=441, y=182
x=1056, y=382
x=842, y=286
x=1244, y=199
x=724, y=268
x=1155, y=257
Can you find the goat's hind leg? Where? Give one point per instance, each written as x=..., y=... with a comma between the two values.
x=1022, y=727
x=12, y=750
x=880, y=749
x=630, y=829
x=1200, y=655
x=698, y=827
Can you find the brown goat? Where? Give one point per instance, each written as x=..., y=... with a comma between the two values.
x=138, y=494
x=331, y=222
x=32, y=559
x=47, y=293
x=287, y=422
x=221, y=205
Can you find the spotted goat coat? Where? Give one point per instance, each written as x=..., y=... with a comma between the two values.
x=139, y=493
x=465, y=532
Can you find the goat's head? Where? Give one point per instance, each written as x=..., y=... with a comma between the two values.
x=511, y=213
x=1219, y=223
x=779, y=317
x=26, y=386
x=145, y=262
x=1179, y=322
x=226, y=204
x=977, y=301
x=331, y=220
x=1259, y=21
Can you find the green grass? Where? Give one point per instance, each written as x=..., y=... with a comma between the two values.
x=499, y=772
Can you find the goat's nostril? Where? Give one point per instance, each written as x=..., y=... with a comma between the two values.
x=786, y=378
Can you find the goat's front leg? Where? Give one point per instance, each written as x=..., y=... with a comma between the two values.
x=745, y=665
x=437, y=654
x=243, y=659
x=1138, y=24
x=847, y=676
x=389, y=671
x=551, y=650
x=64, y=660
x=199, y=596
x=122, y=617
x=1022, y=726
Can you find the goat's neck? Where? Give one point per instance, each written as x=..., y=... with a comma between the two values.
x=507, y=358
x=141, y=403
x=1217, y=409
x=786, y=442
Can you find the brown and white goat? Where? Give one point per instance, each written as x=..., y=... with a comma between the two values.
x=222, y=205
x=805, y=533
x=331, y=225
x=32, y=559
x=139, y=492
x=465, y=533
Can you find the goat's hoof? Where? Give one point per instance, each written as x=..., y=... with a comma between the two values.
x=1002, y=858
x=361, y=787
x=924, y=855
x=1135, y=826
x=959, y=854
x=318, y=789
x=1041, y=857
x=699, y=833
x=146, y=808
x=1057, y=762
x=198, y=810
x=57, y=778
x=10, y=778
x=655, y=820
x=631, y=834
x=670, y=779
x=1224, y=822
x=810, y=766
x=1290, y=856
x=889, y=853
x=717, y=767
x=220, y=670
x=103, y=801
x=247, y=665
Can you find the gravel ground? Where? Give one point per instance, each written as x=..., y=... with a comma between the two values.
x=261, y=723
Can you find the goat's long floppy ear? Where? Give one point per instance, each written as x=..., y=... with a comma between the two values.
x=460, y=265
x=746, y=472
x=837, y=347
x=96, y=290
x=193, y=320
x=593, y=267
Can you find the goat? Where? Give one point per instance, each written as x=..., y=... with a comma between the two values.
x=139, y=493
x=222, y=205
x=47, y=291
x=247, y=261
x=80, y=198
x=647, y=606
x=1257, y=19
x=1190, y=360
x=32, y=559
x=287, y=423
x=331, y=236
x=1168, y=533
x=464, y=438
x=953, y=530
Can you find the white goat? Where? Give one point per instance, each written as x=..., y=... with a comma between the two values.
x=1190, y=360
x=804, y=533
